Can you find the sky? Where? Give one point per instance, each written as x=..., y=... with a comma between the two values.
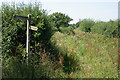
x=98, y=10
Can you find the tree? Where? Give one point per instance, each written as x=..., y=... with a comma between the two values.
x=86, y=24
x=60, y=20
x=99, y=27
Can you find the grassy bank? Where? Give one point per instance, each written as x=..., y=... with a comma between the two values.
x=88, y=55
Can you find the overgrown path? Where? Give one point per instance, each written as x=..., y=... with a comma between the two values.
x=87, y=55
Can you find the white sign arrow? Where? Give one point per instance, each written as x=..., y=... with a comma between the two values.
x=34, y=28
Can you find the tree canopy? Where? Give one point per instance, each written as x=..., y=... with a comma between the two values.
x=60, y=20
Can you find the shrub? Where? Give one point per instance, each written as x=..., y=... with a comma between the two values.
x=67, y=30
x=86, y=25
x=99, y=27
x=109, y=29
x=60, y=20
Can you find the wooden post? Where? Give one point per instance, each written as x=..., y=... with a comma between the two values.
x=28, y=38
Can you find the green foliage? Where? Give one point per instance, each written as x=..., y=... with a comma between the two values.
x=112, y=29
x=67, y=30
x=109, y=29
x=14, y=30
x=60, y=20
x=86, y=24
x=13, y=67
x=14, y=42
x=99, y=28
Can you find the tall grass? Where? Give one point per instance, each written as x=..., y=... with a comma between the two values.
x=89, y=55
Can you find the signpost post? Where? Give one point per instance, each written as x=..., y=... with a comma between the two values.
x=28, y=38
x=28, y=34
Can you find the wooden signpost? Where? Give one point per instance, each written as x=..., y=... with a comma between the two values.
x=28, y=33
x=21, y=17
